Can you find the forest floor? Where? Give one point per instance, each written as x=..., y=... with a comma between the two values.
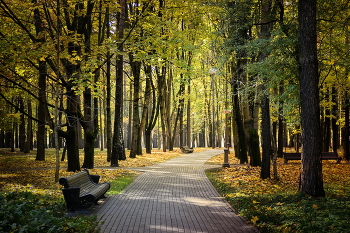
x=20, y=171
x=275, y=205
x=272, y=205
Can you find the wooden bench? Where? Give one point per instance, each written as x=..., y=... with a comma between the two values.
x=81, y=190
x=325, y=156
x=186, y=149
x=291, y=156
x=331, y=156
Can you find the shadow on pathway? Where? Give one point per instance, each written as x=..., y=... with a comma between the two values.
x=174, y=196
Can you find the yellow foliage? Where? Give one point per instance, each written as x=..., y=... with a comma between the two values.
x=22, y=172
x=254, y=219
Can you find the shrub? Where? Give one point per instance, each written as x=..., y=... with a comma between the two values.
x=28, y=212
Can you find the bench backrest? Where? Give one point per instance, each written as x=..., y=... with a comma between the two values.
x=330, y=154
x=79, y=179
x=292, y=155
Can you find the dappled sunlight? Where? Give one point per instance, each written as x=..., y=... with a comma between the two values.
x=205, y=201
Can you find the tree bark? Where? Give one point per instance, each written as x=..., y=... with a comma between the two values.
x=265, y=33
x=118, y=149
x=29, y=141
x=311, y=182
x=40, y=138
x=22, y=127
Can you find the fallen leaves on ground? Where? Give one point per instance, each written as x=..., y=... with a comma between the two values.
x=22, y=172
x=246, y=179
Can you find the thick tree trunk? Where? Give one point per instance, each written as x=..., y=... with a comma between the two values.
x=242, y=152
x=72, y=137
x=89, y=131
x=135, y=66
x=265, y=33
x=311, y=182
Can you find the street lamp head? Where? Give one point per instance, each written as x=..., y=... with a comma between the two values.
x=212, y=71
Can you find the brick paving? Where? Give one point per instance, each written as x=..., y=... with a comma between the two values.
x=174, y=196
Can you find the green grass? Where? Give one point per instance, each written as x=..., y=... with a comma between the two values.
x=288, y=210
x=117, y=185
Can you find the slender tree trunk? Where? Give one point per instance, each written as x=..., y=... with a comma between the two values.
x=108, y=96
x=188, y=125
x=346, y=142
x=40, y=151
x=335, y=135
x=280, y=141
x=326, y=127
x=22, y=127
x=29, y=142
x=266, y=138
x=311, y=182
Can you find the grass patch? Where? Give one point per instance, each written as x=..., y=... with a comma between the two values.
x=277, y=206
x=120, y=183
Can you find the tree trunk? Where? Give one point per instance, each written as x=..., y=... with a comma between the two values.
x=29, y=142
x=242, y=153
x=108, y=95
x=118, y=149
x=266, y=138
x=334, y=120
x=89, y=130
x=135, y=66
x=188, y=125
x=346, y=142
x=326, y=127
x=22, y=127
x=311, y=182
x=40, y=151
x=265, y=33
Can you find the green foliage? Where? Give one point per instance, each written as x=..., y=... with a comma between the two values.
x=28, y=212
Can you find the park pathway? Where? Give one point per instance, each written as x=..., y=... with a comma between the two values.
x=174, y=196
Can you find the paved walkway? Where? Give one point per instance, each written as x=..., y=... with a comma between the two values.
x=174, y=196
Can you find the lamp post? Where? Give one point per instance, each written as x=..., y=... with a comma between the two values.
x=212, y=73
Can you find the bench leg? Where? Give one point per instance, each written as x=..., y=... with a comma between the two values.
x=71, y=196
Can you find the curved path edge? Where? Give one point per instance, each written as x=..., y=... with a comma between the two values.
x=173, y=196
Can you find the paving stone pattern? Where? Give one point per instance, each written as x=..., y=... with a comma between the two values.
x=174, y=196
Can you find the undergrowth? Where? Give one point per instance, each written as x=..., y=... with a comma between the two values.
x=29, y=212
x=277, y=206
